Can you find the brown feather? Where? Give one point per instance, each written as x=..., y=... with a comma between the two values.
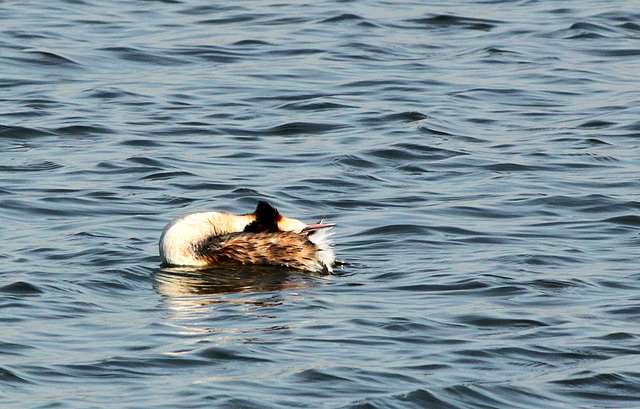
x=286, y=248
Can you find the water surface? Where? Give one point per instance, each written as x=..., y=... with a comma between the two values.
x=480, y=160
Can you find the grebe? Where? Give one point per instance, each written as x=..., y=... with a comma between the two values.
x=263, y=237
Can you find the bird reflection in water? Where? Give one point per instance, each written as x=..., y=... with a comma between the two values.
x=198, y=287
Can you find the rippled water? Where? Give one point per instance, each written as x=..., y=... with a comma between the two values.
x=480, y=159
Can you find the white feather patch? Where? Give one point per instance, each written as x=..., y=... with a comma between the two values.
x=322, y=239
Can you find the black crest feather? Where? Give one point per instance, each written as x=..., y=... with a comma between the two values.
x=267, y=218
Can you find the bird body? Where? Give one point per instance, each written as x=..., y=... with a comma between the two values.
x=263, y=237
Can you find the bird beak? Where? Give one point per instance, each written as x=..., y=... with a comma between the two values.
x=317, y=226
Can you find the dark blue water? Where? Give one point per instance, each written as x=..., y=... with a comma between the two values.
x=481, y=160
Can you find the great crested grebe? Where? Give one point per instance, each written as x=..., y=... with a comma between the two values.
x=263, y=237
